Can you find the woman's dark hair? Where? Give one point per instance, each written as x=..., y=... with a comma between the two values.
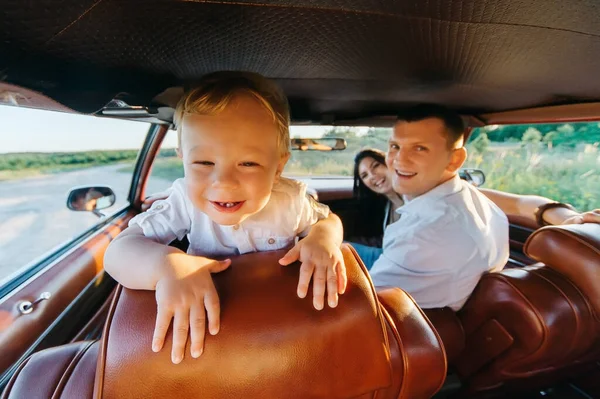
x=370, y=204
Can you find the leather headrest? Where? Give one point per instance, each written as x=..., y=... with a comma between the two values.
x=572, y=250
x=271, y=343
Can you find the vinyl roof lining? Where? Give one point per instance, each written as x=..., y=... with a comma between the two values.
x=337, y=60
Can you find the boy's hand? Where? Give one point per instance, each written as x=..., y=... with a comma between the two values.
x=185, y=293
x=323, y=261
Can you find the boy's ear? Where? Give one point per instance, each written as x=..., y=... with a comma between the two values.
x=457, y=159
x=281, y=165
x=179, y=153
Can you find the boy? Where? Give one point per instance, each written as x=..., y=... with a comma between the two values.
x=233, y=132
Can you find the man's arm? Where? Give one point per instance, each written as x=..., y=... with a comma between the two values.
x=526, y=205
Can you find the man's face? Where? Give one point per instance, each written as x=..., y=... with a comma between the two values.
x=419, y=156
x=231, y=160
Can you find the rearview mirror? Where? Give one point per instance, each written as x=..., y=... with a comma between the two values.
x=329, y=144
x=474, y=176
x=91, y=199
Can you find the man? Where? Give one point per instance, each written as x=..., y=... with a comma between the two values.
x=448, y=233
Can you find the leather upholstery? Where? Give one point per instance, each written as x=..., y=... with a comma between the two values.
x=358, y=350
x=450, y=330
x=63, y=372
x=525, y=326
x=573, y=251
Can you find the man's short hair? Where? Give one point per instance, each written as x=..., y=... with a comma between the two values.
x=455, y=126
x=215, y=91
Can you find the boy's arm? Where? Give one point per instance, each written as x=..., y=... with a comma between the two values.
x=137, y=262
x=185, y=292
x=329, y=228
x=322, y=261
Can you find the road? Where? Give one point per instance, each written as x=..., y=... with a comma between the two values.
x=34, y=218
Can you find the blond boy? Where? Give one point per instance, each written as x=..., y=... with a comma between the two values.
x=233, y=130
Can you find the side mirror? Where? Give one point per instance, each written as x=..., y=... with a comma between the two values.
x=328, y=144
x=91, y=199
x=474, y=176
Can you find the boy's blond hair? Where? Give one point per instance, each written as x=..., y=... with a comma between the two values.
x=215, y=91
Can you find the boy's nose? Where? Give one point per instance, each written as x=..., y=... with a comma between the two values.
x=224, y=178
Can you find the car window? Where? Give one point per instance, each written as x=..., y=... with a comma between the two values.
x=43, y=155
x=167, y=166
x=558, y=161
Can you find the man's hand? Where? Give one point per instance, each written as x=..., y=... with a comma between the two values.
x=186, y=293
x=586, y=217
x=323, y=261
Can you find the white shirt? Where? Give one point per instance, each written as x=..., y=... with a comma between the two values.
x=289, y=213
x=442, y=244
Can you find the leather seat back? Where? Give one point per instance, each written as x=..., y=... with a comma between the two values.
x=526, y=326
x=271, y=344
x=573, y=251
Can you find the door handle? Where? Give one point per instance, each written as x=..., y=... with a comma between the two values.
x=26, y=307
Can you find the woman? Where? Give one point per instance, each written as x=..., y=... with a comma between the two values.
x=373, y=185
x=377, y=202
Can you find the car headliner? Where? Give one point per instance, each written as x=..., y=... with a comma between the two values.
x=338, y=61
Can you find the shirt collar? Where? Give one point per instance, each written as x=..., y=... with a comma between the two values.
x=452, y=186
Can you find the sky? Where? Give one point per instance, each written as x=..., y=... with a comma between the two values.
x=32, y=130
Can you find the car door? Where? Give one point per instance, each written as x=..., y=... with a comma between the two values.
x=52, y=286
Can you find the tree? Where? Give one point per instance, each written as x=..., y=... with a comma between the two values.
x=550, y=138
x=481, y=142
x=532, y=136
x=531, y=139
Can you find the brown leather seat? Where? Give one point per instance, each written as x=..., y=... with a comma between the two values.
x=271, y=344
x=527, y=326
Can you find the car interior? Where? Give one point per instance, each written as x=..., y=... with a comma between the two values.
x=531, y=330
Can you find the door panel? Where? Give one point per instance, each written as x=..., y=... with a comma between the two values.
x=520, y=228
x=64, y=279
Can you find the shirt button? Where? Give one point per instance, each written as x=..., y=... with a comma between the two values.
x=236, y=227
x=271, y=241
x=159, y=207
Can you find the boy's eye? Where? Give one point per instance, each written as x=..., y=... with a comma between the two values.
x=204, y=163
x=421, y=148
x=394, y=147
x=249, y=164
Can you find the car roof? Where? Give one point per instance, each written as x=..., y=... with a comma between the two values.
x=339, y=61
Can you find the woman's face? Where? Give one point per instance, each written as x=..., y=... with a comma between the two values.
x=374, y=175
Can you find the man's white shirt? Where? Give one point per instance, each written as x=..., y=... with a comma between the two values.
x=289, y=213
x=443, y=243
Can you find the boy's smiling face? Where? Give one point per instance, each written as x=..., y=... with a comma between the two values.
x=231, y=160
